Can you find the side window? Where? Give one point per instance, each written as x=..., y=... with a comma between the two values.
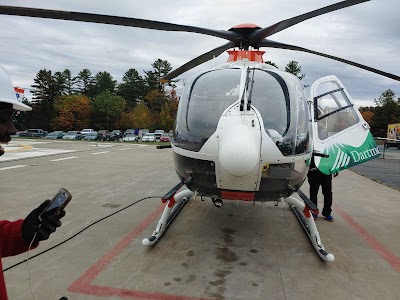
x=333, y=110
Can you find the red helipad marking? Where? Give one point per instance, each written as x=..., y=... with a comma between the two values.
x=82, y=284
x=387, y=255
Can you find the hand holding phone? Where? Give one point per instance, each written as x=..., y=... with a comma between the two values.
x=57, y=204
x=44, y=220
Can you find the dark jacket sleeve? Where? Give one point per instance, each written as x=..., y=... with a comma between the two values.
x=11, y=242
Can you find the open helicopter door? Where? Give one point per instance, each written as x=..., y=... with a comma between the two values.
x=339, y=129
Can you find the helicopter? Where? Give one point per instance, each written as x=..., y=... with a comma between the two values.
x=247, y=131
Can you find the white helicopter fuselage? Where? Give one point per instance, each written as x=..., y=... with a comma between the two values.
x=243, y=158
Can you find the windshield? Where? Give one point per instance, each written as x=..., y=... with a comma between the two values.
x=203, y=101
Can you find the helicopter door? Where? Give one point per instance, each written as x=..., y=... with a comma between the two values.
x=339, y=129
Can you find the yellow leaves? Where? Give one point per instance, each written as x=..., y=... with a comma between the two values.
x=73, y=112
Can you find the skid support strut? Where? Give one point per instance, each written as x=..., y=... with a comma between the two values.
x=174, y=203
x=303, y=213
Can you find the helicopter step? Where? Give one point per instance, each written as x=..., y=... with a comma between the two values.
x=303, y=214
x=174, y=203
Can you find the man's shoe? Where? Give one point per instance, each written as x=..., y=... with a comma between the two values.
x=329, y=218
x=315, y=216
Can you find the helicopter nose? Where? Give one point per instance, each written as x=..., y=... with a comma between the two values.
x=239, y=149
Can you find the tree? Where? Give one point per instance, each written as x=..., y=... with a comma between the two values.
x=103, y=82
x=84, y=81
x=69, y=82
x=142, y=116
x=367, y=116
x=45, y=91
x=155, y=100
x=73, y=112
x=167, y=117
x=107, y=110
x=386, y=112
x=268, y=62
x=132, y=88
x=294, y=68
x=152, y=78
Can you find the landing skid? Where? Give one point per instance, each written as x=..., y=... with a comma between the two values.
x=174, y=204
x=303, y=214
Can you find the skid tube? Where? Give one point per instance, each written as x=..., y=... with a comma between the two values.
x=174, y=203
x=303, y=214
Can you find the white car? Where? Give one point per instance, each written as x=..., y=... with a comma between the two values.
x=130, y=137
x=86, y=131
x=148, y=137
x=72, y=135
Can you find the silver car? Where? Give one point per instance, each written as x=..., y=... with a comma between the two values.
x=148, y=137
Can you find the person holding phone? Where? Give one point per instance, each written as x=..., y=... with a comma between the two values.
x=16, y=237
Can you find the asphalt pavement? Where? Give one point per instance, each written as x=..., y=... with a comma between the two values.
x=385, y=169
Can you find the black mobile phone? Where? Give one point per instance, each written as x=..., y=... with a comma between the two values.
x=57, y=204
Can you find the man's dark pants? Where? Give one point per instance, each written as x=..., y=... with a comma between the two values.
x=316, y=179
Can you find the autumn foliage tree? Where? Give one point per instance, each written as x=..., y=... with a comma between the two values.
x=141, y=116
x=72, y=112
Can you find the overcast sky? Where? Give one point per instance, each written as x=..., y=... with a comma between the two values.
x=368, y=33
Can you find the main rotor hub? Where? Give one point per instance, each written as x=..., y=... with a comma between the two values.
x=244, y=31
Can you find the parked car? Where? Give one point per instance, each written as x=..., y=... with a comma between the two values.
x=142, y=132
x=101, y=134
x=72, y=135
x=39, y=133
x=55, y=135
x=129, y=131
x=90, y=136
x=148, y=137
x=87, y=131
x=117, y=133
x=112, y=136
x=158, y=133
x=165, y=137
x=130, y=137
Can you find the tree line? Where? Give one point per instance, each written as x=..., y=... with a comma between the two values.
x=386, y=111
x=65, y=102
x=62, y=101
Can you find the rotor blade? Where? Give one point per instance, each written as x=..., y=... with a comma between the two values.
x=112, y=20
x=197, y=61
x=258, y=35
x=273, y=44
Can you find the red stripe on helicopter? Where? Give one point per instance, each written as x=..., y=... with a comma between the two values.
x=244, y=196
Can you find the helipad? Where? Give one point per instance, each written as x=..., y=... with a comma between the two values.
x=240, y=251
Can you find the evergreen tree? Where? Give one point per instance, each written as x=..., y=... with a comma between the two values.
x=152, y=78
x=45, y=90
x=70, y=82
x=386, y=112
x=84, y=81
x=103, y=82
x=132, y=88
x=268, y=62
x=294, y=68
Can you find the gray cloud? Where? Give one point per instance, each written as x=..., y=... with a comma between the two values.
x=366, y=33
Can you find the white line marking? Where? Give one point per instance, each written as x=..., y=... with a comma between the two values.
x=101, y=152
x=124, y=149
x=142, y=146
x=12, y=167
x=64, y=158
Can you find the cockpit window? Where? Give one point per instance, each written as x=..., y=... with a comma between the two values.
x=271, y=98
x=211, y=94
